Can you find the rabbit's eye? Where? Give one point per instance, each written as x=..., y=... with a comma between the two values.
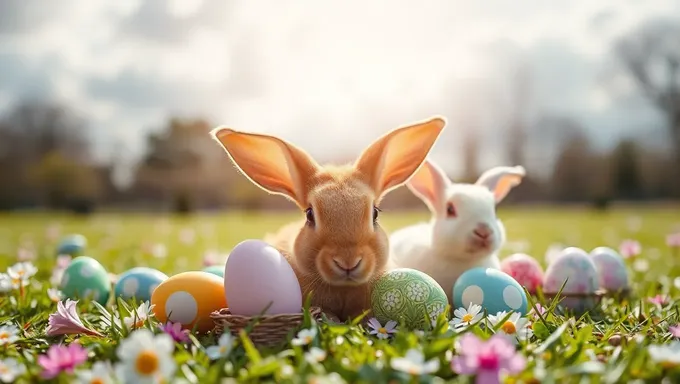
x=450, y=210
x=310, y=215
x=375, y=214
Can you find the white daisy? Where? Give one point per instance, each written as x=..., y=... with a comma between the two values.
x=380, y=331
x=304, y=337
x=465, y=317
x=99, y=374
x=54, y=294
x=138, y=317
x=414, y=363
x=21, y=273
x=315, y=355
x=666, y=355
x=5, y=283
x=145, y=358
x=10, y=369
x=223, y=348
x=515, y=326
x=8, y=334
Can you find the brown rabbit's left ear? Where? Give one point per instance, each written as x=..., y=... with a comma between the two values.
x=392, y=159
x=500, y=180
x=271, y=163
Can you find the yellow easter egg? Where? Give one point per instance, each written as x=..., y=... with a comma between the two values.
x=189, y=298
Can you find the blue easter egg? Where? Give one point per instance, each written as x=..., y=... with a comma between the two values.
x=494, y=290
x=139, y=283
x=72, y=245
x=215, y=270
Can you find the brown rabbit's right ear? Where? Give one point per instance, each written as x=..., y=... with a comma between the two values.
x=272, y=164
x=429, y=183
x=392, y=159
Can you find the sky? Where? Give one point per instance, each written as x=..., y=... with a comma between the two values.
x=328, y=76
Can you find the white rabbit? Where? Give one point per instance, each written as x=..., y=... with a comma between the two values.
x=463, y=232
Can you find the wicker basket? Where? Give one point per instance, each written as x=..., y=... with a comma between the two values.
x=266, y=331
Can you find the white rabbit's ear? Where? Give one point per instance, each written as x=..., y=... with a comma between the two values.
x=500, y=180
x=429, y=183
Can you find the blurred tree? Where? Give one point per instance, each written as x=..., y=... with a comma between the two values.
x=626, y=177
x=517, y=135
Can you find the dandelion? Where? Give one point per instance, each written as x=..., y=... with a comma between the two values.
x=414, y=363
x=304, y=337
x=315, y=355
x=139, y=316
x=630, y=248
x=673, y=240
x=54, y=294
x=465, y=317
x=5, y=283
x=101, y=373
x=176, y=332
x=380, y=331
x=659, y=300
x=10, y=369
x=8, y=334
x=515, y=326
x=65, y=321
x=223, y=348
x=145, y=357
x=666, y=355
x=60, y=358
x=487, y=359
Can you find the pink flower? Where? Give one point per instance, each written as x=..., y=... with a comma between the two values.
x=176, y=332
x=67, y=322
x=537, y=310
x=673, y=240
x=658, y=300
x=487, y=359
x=674, y=330
x=60, y=359
x=210, y=258
x=630, y=248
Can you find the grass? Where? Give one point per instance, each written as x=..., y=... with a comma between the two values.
x=610, y=344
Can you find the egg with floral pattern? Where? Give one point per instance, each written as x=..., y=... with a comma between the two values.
x=611, y=269
x=524, y=269
x=407, y=296
x=576, y=270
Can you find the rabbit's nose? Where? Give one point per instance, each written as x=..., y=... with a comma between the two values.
x=482, y=231
x=347, y=265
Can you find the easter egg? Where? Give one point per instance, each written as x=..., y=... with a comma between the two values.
x=139, y=283
x=577, y=269
x=189, y=298
x=524, y=269
x=215, y=270
x=495, y=291
x=72, y=245
x=85, y=278
x=407, y=296
x=611, y=269
x=257, y=276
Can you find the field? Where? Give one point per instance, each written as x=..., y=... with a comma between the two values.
x=621, y=341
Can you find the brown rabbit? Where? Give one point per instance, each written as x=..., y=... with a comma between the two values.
x=338, y=250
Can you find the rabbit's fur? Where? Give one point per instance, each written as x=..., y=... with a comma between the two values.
x=463, y=232
x=336, y=249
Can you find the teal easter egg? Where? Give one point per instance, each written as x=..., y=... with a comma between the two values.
x=215, y=270
x=495, y=291
x=85, y=278
x=138, y=283
x=407, y=296
x=72, y=245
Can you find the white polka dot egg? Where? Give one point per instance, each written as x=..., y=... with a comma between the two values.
x=189, y=298
x=138, y=283
x=495, y=291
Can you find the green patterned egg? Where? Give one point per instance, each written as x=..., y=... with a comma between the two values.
x=406, y=295
x=85, y=278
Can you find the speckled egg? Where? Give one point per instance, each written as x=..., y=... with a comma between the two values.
x=259, y=280
x=86, y=278
x=217, y=270
x=406, y=295
x=524, y=269
x=577, y=268
x=138, y=283
x=189, y=298
x=611, y=269
x=72, y=245
x=495, y=291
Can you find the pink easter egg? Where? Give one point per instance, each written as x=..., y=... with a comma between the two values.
x=525, y=269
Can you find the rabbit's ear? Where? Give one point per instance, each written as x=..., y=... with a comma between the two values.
x=429, y=183
x=393, y=158
x=500, y=180
x=273, y=164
